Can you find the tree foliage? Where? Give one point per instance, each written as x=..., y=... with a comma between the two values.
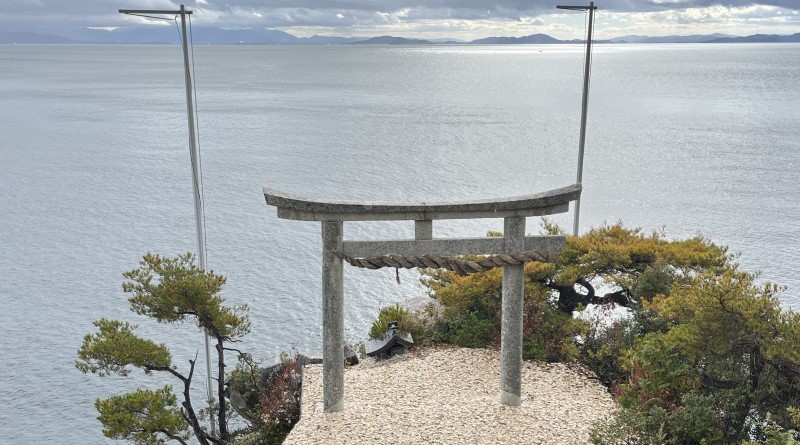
x=143, y=417
x=707, y=355
x=612, y=255
x=618, y=257
x=115, y=349
x=172, y=290
x=728, y=344
x=168, y=290
x=472, y=311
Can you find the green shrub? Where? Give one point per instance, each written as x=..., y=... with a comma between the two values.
x=656, y=279
x=279, y=403
x=405, y=322
x=604, y=349
x=723, y=371
x=630, y=427
x=659, y=374
x=694, y=422
x=548, y=334
x=269, y=398
x=779, y=436
x=472, y=332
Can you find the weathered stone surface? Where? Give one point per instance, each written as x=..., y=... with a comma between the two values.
x=550, y=245
x=239, y=405
x=350, y=356
x=308, y=360
x=511, y=330
x=269, y=373
x=332, y=315
x=312, y=209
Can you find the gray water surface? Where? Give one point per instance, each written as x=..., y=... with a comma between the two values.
x=94, y=172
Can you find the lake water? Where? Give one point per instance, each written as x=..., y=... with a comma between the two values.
x=94, y=172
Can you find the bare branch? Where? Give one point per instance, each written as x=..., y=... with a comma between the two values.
x=174, y=437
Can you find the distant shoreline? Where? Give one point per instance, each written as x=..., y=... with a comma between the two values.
x=217, y=36
x=309, y=45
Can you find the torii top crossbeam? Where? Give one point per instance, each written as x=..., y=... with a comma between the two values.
x=307, y=209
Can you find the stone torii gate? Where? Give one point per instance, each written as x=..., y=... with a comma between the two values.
x=512, y=251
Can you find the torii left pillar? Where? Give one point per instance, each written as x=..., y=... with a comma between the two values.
x=333, y=317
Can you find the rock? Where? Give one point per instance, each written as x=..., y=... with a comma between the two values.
x=350, y=358
x=239, y=405
x=303, y=360
x=269, y=373
x=419, y=306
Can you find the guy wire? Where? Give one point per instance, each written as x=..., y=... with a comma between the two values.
x=197, y=130
x=147, y=16
x=585, y=35
x=177, y=28
x=199, y=179
x=591, y=54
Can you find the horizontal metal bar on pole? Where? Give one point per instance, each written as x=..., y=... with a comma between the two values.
x=312, y=209
x=545, y=244
x=151, y=11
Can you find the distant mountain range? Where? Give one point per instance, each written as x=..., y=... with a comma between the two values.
x=219, y=36
x=670, y=39
x=537, y=39
x=389, y=40
x=759, y=38
x=710, y=38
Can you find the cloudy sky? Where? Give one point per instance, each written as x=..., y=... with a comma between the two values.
x=464, y=19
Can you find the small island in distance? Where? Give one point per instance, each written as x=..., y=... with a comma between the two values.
x=253, y=36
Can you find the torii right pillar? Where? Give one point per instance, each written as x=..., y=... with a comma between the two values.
x=511, y=328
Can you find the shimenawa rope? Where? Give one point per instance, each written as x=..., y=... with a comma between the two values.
x=461, y=267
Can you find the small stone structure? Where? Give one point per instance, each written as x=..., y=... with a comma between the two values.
x=511, y=250
x=393, y=342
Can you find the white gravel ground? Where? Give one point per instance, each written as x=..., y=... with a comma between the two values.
x=451, y=396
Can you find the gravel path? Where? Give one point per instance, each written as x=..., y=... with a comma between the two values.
x=451, y=396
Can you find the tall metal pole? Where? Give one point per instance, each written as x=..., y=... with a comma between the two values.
x=198, y=200
x=584, y=104
x=196, y=181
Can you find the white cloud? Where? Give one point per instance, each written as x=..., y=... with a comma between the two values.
x=753, y=19
x=428, y=18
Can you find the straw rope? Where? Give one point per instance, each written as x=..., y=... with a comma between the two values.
x=461, y=267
